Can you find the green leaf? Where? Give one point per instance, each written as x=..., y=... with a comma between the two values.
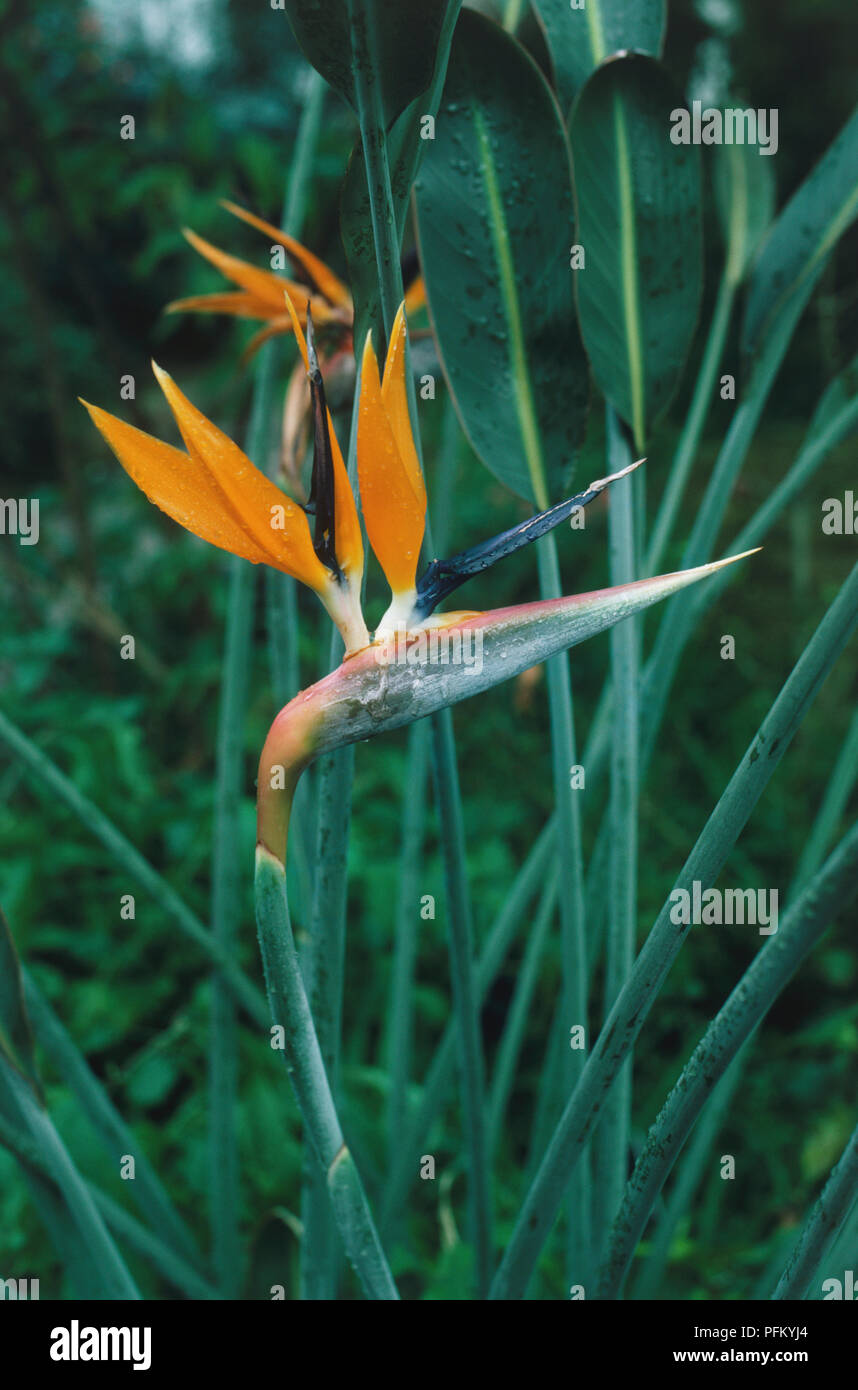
x=16, y=1037
x=93, y=1103
x=399, y=41
x=404, y=148
x=495, y=227
x=579, y=40
x=638, y=202
x=762, y=983
x=73, y=1221
x=703, y=865
x=798, y=246
x=828, y=1215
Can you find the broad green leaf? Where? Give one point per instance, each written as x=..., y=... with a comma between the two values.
x=338, y=37
x=638, y=204
x=580, y=39
x=798, y=246
x=745, y=198
x=16, y=1037
x=495, y=224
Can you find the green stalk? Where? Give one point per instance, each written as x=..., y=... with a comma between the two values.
x=678, y=617
x=694, y=1166
x=564, y=757
x=511, y=1042
x=837, y=793
x=465, y=996
x=106, y=1121
x=226, y=913
x=828, y=1215
x=227, y=885
x=113, y=1276
x=323, y=977
x=290, y=1010
x=440, y=1074
x=550, y=1097
x=324, y=963
x=386, y=240
x=125, y=855
x=281, y=589
x=373, y=135
x=176, y=1270
x=399, y=1039
x=613, y=1146
x=840, y=1255
x=171, y=1266
x=401, y=1019
x=809, y=458
x=811, y=455
x=705, y=862
x=768, y=975
x=689, y=440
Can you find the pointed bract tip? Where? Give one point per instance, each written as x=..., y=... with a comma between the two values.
x=602, y=483
x=731, y=559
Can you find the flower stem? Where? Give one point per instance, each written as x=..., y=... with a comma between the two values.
x=614, y=1137
x=290, y=1010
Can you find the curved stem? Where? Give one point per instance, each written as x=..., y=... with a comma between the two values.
x=295, y=1033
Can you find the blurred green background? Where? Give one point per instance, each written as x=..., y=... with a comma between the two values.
x=92, y=251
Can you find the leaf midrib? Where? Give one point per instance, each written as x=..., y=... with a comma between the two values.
x=525, y=407
x=629, y=275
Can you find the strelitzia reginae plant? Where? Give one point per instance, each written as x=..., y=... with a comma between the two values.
x=519, y=331
x=214, y=490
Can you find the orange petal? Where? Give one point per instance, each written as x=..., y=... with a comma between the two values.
x=349, y=540
x=262, y=284
x=395, y=398
x=394, y=515
x=321, y=275
x=252, y=498
x=274, y=327
x=180, y=485
x=238, y=302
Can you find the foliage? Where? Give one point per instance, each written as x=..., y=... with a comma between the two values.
x=90, y=227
